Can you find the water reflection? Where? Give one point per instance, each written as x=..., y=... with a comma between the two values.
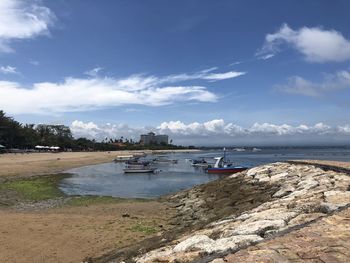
x=109, y=179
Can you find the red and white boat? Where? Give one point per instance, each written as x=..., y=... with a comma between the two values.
x=221, y=166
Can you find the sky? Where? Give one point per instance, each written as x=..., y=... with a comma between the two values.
x=205, y=72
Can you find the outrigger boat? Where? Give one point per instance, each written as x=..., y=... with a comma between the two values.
x=134, y=166
x=221, y=166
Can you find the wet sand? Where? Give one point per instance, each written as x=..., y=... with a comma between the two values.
x=326, y=163
x=71, y=234
x=67, y=233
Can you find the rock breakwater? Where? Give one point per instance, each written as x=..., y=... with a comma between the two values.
x=247, y=208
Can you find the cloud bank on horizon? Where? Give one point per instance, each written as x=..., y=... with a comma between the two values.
x=218, y=132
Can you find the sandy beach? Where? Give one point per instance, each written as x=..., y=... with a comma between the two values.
x=72, y=233
x=41, y=232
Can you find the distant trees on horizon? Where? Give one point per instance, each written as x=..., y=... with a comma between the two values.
x=14, y=134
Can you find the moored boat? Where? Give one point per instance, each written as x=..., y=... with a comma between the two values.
x=222, y=166
x=135, y=166
x=200, y=163
x=164, y=160
x=123, y=158
x=138, y=170
x=239, y=149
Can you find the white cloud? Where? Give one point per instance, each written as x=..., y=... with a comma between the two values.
x=267, y=56
x=95, y=92
x=235, y=63
x=21, y=19
x=91, y=130
x=331, y=82
x=209, y=69
x=217, y=132
x=315, y=43
x=220, y=127
x=88, y=94
x=8, y=70
x=221, y=76
x=203, y=75
x=344, y=129
x=93, y=72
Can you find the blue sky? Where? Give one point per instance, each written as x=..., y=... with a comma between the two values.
x=234, y=72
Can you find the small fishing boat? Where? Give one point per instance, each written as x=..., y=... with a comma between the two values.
x=164, y=160
x=200, y=163
x=239, y=149
x=221, y=166
x=135, y=166
x=123, y=158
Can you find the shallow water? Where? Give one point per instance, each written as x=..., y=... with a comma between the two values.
x=109, y=179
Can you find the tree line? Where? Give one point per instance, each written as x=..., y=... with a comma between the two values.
x=14, y=134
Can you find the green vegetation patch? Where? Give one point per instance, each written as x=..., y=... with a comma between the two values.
x=144, y=229
x=36, y=189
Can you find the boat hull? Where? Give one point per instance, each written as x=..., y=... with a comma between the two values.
x=201, y=165
x=226, y=170
x=165, y=161
x=139, y=170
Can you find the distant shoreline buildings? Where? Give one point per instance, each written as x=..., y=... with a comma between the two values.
x=152, y=138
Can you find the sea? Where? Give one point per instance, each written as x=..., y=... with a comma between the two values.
x=108, y=179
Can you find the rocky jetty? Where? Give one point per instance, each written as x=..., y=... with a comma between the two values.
x=247, y=208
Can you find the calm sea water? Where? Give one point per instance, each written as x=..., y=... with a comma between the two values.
x=108, y=178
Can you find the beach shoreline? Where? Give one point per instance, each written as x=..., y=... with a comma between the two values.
x=33, y=164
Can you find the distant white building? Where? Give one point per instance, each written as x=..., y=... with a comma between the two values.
x=152, y=138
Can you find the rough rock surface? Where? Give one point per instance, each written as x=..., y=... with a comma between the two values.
x=300, y=194
x=327, y=240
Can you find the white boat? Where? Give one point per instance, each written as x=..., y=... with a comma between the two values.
x=138, y=167
x=123, y=158
x=139, y=170
x=239, y=149
x=223, y=166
